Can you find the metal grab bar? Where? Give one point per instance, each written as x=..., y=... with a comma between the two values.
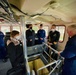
x=49, y=56
x=27, y=68
x=55, y=62
x=51, y=48
x=54, y=50
x=24, y=45
x=33, y=56
x=55, y=67
x=33, y=72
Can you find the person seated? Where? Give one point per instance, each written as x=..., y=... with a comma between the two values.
x=15, y=49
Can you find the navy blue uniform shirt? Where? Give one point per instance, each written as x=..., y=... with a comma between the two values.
x=41, y=34
x=69, y=53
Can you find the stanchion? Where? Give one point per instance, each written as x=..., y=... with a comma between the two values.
x=24, y=44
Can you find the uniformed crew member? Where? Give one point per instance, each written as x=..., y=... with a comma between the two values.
x=69, y=53
x=53, y=37
x=41, y=34
x=30, y=36
x=3, y=51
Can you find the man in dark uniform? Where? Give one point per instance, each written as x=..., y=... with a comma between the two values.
x=53, y=37
x=30, y=36
x=41, y=35
x=69, y=53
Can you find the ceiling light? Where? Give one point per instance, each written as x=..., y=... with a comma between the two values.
x=54, y=5
x=35, y=16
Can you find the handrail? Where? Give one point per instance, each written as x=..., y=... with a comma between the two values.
x=27, y=68
x=55, y=67
x=48, y=55
x=34, y=56
x=44, y=58
x=55, y=62
x=51, y=48
x=33, y=72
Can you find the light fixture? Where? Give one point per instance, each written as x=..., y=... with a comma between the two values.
x=55, y=5
x=35, y=16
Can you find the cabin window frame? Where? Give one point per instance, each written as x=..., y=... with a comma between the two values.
x=5, y=28
x=10, y=26
x=43, y=28
x=35, y=28
x=16, y=26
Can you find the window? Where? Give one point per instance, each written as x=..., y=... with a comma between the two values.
x=46, y=30
x=5, y=29
x=35, y=28
x=16, y=28
x=61, y=29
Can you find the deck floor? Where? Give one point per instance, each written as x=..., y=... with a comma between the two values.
x=4, y=67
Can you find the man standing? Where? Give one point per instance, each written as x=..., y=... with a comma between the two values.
x=69, y=53
x=53, y=37
x=41, y=35
x=3, y=51
x=30, y=36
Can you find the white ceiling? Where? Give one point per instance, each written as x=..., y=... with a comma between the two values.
x=64, y=10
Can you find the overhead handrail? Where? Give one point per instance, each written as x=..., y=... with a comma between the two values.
x=10, y=14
